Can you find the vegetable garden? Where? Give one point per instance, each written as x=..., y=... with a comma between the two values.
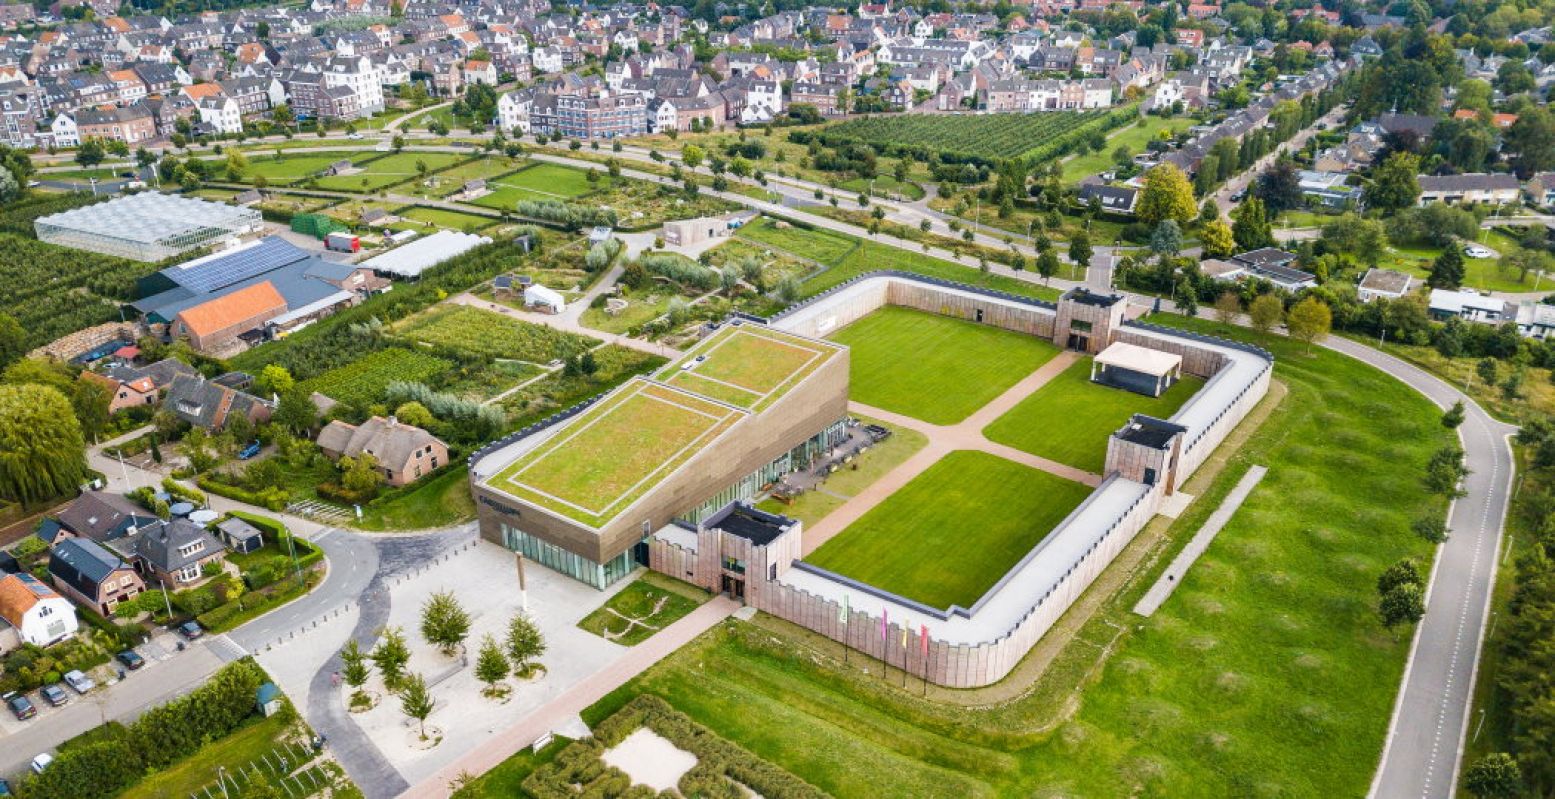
x=364, y=380
x=474, y=330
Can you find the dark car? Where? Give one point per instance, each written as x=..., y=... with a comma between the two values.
x=54, y=695
x=190, y=630
x=131, y=659
x=5, y=788
x=21, y=706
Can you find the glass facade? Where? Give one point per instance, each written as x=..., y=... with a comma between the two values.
x=551, y=556
x=747, y=488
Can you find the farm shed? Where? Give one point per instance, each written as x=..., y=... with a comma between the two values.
x=418, y=256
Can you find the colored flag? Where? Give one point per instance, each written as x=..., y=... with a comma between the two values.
x=905, y=624
x=842, y=612
x=883, y=630
x=923, y=639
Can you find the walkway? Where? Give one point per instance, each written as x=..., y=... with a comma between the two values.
x=577, y=698
x=944, y=439
x=1168, y=582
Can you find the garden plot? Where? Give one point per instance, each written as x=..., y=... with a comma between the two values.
x=364, y=380
x=482, y=332
x=542, y=181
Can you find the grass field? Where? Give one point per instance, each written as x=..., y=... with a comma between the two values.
x=363, y=381
x=1267, y=673
x=1069, y=419
x=421, y=218
x=946, y=537
x=1134, y=137
x=443, y=501
x=750, y=367
x=646, y=605
x=845, y=258
x=388, y=170
x=607, y=457
x=483, y=332
x=189, y=776
x=932, y=367
x=542, y=181
x=812, y=506
x=294, y=167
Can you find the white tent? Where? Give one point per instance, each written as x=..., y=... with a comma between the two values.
x=538, y=296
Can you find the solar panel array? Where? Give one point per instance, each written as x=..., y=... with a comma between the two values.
x=205, y=276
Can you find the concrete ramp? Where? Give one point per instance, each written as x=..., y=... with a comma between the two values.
x=1163, y=588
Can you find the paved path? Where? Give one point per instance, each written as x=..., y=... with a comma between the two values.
x=575, y=699
x=1425, y=740
x=1168, y=582
x=944, y=439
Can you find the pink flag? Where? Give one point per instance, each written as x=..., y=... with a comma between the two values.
x=883, y=614
x=923, y=639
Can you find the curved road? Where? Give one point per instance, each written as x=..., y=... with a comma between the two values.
x=1430, y=717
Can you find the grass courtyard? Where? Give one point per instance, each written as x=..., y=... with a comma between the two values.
x=946, y=537
x=645, y=606
x=1069, y=419
x=932, y=367
x=1266, y=674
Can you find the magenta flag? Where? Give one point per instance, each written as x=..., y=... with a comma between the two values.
x=923, y=639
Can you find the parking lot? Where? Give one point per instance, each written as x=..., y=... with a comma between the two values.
x=168, y=673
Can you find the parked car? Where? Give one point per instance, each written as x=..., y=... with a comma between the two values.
x=1477, y=251
x=80, y=682
x=21, y=706
x=5, y=788
x=42, y=762
x=190, y=630
x=131, y=659
x=54, y=695
x=249, y=451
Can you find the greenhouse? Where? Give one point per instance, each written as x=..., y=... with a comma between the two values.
x=149, y=226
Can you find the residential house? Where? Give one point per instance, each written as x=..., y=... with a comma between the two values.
x=97, y=516
x=173, y=553
x=405, y=452
x=39, y=615
x=211, y=405
x=1328, y=189
x=1112, y=199
x=86, y=572
x=1469, y=306
x=1385, y=283
x=1469, y=189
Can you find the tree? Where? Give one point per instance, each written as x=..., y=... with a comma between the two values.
x=1488, y=370
x=10, y=189
x=42, y=452
x=1309, y=321
x=353, y=661
x=296, y=411
x=1454, y=416
x=1404, y=572
x=692, y=155
x=90, y=153
x=1167, y=195
x=1216, y=238
x=1279, y=187
x=90, y=399
x=524, y=644
x=1250, y=225
x=415, y=414
x=1532, y=137
x=359, y=474
x=13, y=340
x=1494, y=776
x=1364, y=238
x=237, y=165
x=1393, y=185
x=444, y=622
x=390, y=656
x=1227, y=306
x=1166, y=239
x=1430, y=528
x=274, y=379
x=1445, y=471
x=1080, y=249
x=491, y=665
x=1404, y=604
x=416, y=701
x=1446, y=271
x=1047, y=265
x=1267, y=312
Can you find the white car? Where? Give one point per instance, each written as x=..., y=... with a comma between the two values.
x=1476, y=251
x=42, y=762
x=354, y=136
x=78, y=681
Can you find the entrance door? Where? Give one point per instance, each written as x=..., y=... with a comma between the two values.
x=734, y=587
x=1079, y=342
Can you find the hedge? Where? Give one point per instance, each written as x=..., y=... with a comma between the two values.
x=113, y=760
x=271, y=498
x=181, y=491
x=719, y=761
x=255, y=603
x=307, y=552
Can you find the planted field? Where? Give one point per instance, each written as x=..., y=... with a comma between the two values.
x=542, y=181
x=54, y=290
x=989, y=136
x=1069, y=419
x=946, y=537
x=362, y=381
x=817, y=245
x=1266, y=674
x=932, y=367
x=476, y=330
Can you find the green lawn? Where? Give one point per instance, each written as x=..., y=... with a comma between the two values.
x=294, y=167
x=812, y=506
x=422, y=218
x=439, y=502
x=507, y=779
x=389, y=170
x=541, y=181
x=935, y=368
x=1267, y=674
x=1069, y=419
x=1134, y=137
x=883, y=186
x=192, y=774
x=653, y=601
x=946, y=537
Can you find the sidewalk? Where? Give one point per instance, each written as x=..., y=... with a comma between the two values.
x=554, y=714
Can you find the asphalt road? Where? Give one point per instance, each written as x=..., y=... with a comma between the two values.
x=1425, y=739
